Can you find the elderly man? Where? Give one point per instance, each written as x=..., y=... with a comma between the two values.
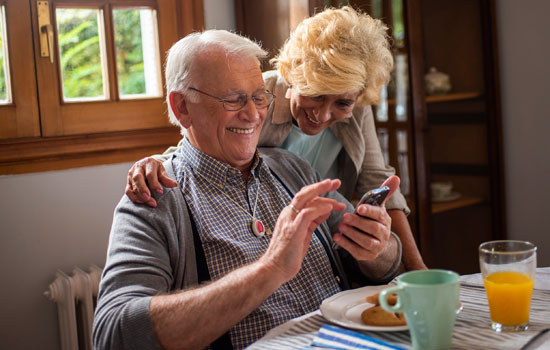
x=256, y=225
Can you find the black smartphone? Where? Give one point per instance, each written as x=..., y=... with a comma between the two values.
x=374, y=197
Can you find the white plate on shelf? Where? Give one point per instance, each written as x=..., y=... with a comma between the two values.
x=450, y=197
x=345, y=308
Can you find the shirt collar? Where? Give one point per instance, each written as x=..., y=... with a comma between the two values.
x=214, y=171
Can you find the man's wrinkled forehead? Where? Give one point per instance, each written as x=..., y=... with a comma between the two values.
x=217, y=69
x=217, y=59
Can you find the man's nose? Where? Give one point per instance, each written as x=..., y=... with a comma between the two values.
x=322, y=113
x=249, y=110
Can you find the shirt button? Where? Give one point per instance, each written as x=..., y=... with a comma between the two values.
x=338, y=279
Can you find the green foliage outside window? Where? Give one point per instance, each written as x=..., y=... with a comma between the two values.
x=131, y=78
x=79, y=44
x=80, y=53
x=398, y=25
x=3, y=92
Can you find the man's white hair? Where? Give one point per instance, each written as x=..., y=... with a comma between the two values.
x=182, y=55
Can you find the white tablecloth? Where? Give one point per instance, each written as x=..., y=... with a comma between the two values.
x=472, y=328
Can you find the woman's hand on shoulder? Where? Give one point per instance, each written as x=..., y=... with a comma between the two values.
x=147, y=171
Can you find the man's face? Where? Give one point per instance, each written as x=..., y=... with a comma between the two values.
x=228, y=136
x=315, y=113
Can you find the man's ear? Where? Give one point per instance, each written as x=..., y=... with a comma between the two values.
x=178, y=104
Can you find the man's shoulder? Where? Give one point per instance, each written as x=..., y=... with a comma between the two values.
x=169, y=195
x=167, y=201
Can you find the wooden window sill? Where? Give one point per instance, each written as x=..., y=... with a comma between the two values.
x=45, y=154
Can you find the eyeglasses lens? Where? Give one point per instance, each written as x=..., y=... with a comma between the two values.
x=234, y=103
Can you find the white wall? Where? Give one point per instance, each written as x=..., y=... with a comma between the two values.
x=61, y=219
x=524, y=56
x=52, y=220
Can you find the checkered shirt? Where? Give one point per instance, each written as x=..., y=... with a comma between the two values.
x=229, y=242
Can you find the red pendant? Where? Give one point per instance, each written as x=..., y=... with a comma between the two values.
x=258, y=228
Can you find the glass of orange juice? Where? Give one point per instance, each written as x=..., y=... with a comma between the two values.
x=508, y=271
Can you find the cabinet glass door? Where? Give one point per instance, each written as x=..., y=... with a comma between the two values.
x=392, y=114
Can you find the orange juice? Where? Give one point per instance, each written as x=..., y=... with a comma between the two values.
x=509, y=295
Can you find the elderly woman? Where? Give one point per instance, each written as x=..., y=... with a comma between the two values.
x=329, y=71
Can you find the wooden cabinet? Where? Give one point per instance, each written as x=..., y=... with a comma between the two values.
x=453, y=137
x=461, y=130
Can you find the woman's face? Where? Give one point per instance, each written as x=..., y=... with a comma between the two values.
x=315, y=113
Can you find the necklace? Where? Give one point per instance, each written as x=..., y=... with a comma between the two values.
x=257, y=225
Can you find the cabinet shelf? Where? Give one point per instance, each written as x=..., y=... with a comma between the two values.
x=453, y=97
x=459, y=96
x=462, y=202
x=460, y=169
x=456, y=118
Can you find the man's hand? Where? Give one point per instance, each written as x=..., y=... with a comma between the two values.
x=151, y=170
x=295, y=227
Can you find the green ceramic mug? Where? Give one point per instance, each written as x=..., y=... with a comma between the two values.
x=430, y=300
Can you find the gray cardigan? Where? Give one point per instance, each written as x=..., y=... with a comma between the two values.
x=151, y=251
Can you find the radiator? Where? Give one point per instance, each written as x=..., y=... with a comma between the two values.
x=75, y=297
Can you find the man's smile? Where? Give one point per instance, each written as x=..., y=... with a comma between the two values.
x=241, y=131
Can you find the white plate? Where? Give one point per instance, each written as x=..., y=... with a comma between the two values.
x=345, y=309
x=450, y=197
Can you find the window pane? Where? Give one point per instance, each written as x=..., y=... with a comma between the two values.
x=81, y=48
x=137, y=54
x=384, y=140
x=376, y=9
x=5, y=93
x=381, y=112
x=398, y=25
x=401, y=86
x=403, y=161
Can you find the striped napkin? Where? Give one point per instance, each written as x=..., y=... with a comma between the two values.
x=332, y=337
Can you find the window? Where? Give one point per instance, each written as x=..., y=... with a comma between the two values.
x=81, y=81
x=5, y=91
x=82, y=61
x=138, y=63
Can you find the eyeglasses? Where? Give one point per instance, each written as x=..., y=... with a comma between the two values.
x=236, y=102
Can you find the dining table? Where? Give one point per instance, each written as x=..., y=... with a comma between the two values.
x=472, y=329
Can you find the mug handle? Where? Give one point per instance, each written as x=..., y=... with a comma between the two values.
x=383, y=299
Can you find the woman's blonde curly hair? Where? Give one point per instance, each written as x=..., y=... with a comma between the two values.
x=335, y=52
